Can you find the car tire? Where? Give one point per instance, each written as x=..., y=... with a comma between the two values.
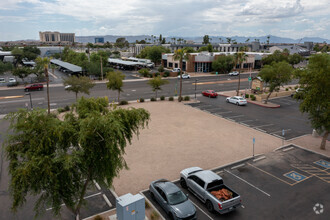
x=209, y=206
x=209, y=96
x=171, y=216
x=39, y=89
x=26, y=90
x=237, y=103
x=227, y=100
x=183, y=183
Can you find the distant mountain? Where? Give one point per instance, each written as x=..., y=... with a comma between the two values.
x=214, y=39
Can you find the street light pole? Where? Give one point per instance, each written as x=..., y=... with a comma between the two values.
x=28, y=93
x=195, y=87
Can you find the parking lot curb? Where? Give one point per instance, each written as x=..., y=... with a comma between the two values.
x=297, y=146
x=265, y=106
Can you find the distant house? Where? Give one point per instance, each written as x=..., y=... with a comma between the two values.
x=291, y=48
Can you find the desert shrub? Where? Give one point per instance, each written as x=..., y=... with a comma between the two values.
x=157, y=74
x=153, y=99
x=60, y=110
x=67, y=108
x=144, y=72
x=123, y=102
x=141, y=99
x=166, y=73
x=147, y=205
x=186, y=98
x=161, y=68
x=247, y=96
x=162, y=98
x=286, y=89
x=171, y=98
x=253, y=98
x=180, y=98
x=296, y=87
x=154, y=215
x=97, y=218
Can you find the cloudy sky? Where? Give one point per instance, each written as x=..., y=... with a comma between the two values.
x=23, y=19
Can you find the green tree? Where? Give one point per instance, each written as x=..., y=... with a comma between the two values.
x=31, y=52
x=4, y=67
x=156, y=83
x=22, y=72
x=153, y=53
x=223, y=64
x=57, y=160
x=228, y=40
x=44, y=63
x=206, y=39
x=276, y=75
x=208, y=48
x=77, y=85
x=121, y=42
x=18, y=54
x=144, y=72
x=181, y=54
x=115, y=81
x=189, y=49
x=277, y=56
x=316, y=89
x=239, y=58
x=295, y=59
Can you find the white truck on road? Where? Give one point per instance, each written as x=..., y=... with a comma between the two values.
x=209, y=188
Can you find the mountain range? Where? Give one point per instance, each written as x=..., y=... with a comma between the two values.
x=214, y=39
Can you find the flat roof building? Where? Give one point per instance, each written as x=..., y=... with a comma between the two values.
x=56, y=37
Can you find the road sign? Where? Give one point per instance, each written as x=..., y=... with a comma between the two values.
x=254, y=140
x=216, y=73
x=283, y=132
x=250, y=79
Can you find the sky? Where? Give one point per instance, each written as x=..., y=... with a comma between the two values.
x=23, y=19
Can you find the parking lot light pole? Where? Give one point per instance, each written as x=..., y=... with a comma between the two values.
x=28, y=93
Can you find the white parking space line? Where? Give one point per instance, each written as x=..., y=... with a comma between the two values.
x=201, y=210
x=281, y=131
x=245, y=121
x=107, y=200
x=247, y=182
x=224, y=112
x=236, y=116
x=210, y=109
x=262, y=126
x=96, y=194
x=53, y=75
x=97, y=185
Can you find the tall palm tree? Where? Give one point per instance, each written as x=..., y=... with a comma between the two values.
x=181, y=54
x=239, y=58
x=44, y=62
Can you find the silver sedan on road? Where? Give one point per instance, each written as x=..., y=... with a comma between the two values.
x=172, y=200
x=237, y=100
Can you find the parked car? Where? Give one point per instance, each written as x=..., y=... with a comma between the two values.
x=237, y=100
x=176, y=70
x=235, y=73
x=2, y=80
x=184, y=76
x=67, y=86
x=34, y=87
x=175, y=203
x=210, y=93
x=12, y=80
x=210, y=189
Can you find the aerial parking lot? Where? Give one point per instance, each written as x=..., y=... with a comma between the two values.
x=267, y=120
x=289, y=183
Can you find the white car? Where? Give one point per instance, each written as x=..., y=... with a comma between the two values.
x=184, y=76
x=2, y=80
x=176, y=70
x=67, y=86
x=12, y=80
x=235, y=73
x=237, y=100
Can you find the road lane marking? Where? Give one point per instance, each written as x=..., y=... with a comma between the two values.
x=53, y=75
x=220, y=82
x=245, y=121
x=12, y=97
x=22, y=100
x=236, y=116
x=223, y=112
x=247, y=182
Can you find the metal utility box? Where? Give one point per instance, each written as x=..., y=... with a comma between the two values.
x=130, y=207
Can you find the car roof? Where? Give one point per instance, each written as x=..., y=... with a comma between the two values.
x=167, y=187
x=207, y=176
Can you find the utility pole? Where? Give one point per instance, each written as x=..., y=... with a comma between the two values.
x=101, y=67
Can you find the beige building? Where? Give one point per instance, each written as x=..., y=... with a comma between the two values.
x=57, y=37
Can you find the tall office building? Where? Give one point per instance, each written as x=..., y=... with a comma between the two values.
x=56, y=37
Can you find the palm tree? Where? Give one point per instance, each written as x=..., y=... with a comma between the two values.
x=181, y=54
x=45, y=62
x=239, y=58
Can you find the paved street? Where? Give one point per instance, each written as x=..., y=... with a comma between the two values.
x=133, y=90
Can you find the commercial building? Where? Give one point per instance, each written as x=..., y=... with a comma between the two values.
x=291, y=48
x=202, y=62
x=99, y=40
x=57, y=37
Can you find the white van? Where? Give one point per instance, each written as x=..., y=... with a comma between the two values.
x=176, y=70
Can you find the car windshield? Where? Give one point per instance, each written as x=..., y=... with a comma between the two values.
x=176, y=198
x=240, y=98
